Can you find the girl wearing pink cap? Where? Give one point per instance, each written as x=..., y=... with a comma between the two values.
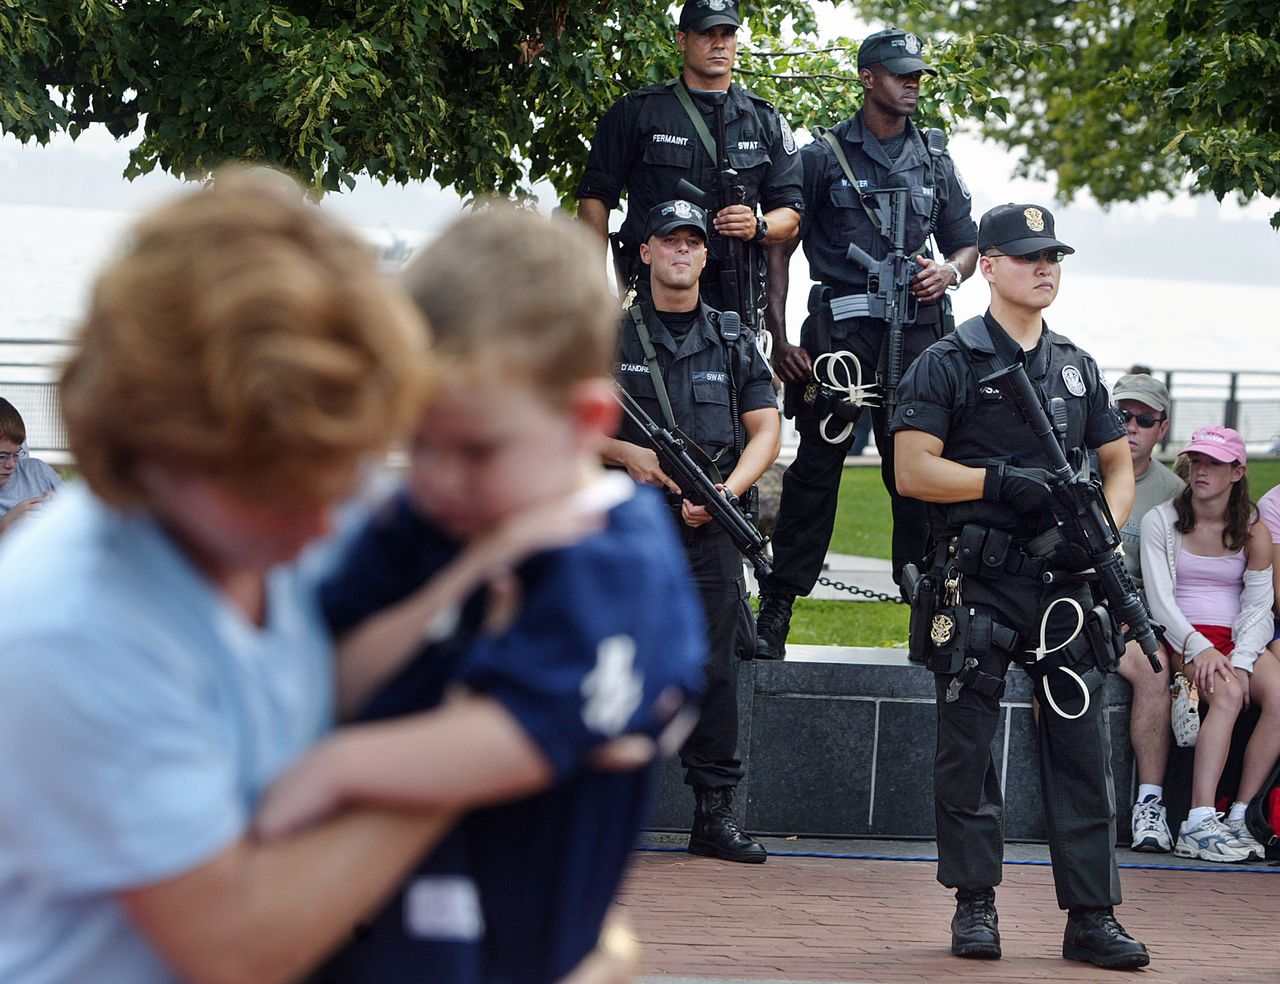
x=1206, y=563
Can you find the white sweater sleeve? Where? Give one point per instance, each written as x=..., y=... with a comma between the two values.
x=1157, y=579
x=1252, y=629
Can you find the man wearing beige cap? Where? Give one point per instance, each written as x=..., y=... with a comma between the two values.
x=1144, y=406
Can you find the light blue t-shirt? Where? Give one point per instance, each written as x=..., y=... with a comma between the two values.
x=141, y=716
x=31, y=478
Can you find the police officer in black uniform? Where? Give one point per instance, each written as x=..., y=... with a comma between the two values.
x=1009, y=589
x=879, y=148
x=678, y=362
x=648, y=141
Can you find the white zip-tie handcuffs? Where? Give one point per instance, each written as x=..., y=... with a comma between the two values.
x=1042, y=650
x=847, y=381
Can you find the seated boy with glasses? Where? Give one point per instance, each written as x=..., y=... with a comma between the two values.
x=1144, y=404
x=25, y=482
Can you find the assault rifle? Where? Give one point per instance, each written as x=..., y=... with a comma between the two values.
x=736, y=277
x=673, y=450
x=888, y=297
x=1082, y=513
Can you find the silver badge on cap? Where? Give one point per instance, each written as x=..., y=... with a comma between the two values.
x=683, y=209
x=1073, y=380
x=912, y=44
x=717, y=4
x=1035, y=219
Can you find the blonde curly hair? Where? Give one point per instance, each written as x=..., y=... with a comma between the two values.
x=244, y=337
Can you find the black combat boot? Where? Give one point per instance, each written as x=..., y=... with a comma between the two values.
x=716, y=833
x=1094, y=936
x=772, y=624
x=975, y=928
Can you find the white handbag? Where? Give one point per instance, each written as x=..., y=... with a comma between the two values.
x=1185, y=711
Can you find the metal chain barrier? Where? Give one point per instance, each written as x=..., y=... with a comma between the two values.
x=861, y=592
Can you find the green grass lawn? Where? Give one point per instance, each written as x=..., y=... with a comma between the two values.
x=863, y=527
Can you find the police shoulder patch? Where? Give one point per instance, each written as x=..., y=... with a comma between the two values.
x=1073, y=380
x=788, y=138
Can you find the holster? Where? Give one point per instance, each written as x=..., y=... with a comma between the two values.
x=957, y=632
x=822, y=329
x=820, y=400
x=922, y=595
x=1099, y=646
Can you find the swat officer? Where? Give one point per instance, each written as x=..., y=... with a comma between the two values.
x=1010, y=591
x=878, y=148
x=687, y=368
x=653, y=137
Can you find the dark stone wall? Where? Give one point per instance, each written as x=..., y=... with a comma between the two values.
x=846, y=749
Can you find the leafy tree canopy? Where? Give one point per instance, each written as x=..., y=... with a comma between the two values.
x=1123, y=98
x=1120, y=97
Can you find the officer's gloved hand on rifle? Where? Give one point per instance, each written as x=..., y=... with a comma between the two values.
x=1025, y=489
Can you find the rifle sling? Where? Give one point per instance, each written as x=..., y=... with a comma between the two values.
x=699, y=124
x=834, y=143
x=651, y=358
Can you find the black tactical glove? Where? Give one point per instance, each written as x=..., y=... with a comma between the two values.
x=1025, y=489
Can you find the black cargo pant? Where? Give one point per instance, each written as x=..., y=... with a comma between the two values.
x=1074, y=758
x=710, y=753
x=811, y=484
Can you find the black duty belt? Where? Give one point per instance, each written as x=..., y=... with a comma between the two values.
x=985, y=551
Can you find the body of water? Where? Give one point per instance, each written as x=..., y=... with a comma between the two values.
x=49, y=256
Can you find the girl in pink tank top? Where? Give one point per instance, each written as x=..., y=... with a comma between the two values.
x=1217, y=606
x=1208, y=593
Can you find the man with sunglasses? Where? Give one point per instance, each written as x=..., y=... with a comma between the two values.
x=1010, y=588
x=1144, y=404
x=850, y=173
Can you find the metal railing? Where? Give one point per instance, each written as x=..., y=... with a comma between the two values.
x=28, y=379
x=1246, y=401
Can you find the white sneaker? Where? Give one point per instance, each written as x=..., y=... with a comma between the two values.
x=1209, y=840
x=1150, y=827
x=1240, y=831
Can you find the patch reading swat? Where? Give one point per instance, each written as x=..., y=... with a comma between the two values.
x=1074, y=381
x=1035, y=219
x=788, y=138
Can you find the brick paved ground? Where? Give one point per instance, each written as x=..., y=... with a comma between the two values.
x=886, y=921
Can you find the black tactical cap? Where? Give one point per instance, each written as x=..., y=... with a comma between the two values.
x=699, y=15
x=896, y=50
x=674, y=215
x=1018, y=230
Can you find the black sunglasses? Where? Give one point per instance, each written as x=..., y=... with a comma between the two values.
x=1052, y=255
x=1145, y=420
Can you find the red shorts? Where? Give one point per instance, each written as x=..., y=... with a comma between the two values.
x=1219, y=635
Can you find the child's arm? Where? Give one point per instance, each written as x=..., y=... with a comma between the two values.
x=470, y=752
x=377, y=648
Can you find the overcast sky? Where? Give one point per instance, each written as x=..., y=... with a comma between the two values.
x=1185, y=238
